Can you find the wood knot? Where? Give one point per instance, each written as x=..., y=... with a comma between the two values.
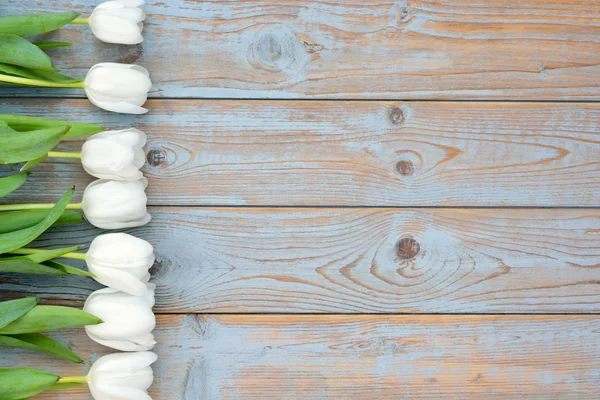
x=275, y=49
x=409, y=163
x=404, y=13
x=405, y=167
x=396, y=115
x=156, y=157
x=407, y=248
x=159, y=268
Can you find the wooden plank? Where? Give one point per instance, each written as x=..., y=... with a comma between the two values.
x=338, y=357
x=417, y=49
x=350, y=261
x=347, y=153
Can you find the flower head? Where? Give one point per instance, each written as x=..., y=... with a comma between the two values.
x=118, y=21
x=116, y=204
x=122, y=376
x=128, y=320
x=118, y=87
x=116, y=155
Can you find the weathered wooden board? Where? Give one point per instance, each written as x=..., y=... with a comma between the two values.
x=433, y=49
x=349, y=261
x=347, y=153
x=379, y=357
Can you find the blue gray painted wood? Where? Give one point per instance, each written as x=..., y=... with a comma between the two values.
x=415, y=49
x=290, y=260
x=346, y=153
x=357, y=357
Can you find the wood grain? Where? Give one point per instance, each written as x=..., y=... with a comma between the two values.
x=417, y=49
x=380, y=357
x=285, y=260
x=346, y=153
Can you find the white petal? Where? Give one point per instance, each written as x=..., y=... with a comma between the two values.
x=111, y=29
x=118, y=82
x=122, y=344
x=126, y=362
x=118, y=106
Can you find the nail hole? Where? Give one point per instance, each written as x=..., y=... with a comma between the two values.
x=156, y=157
x=407, y=248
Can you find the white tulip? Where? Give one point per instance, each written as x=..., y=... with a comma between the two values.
x=116, y=204
x=118, y=87
x=122, y=376
x=116, y=155
x=121, y=261
x=128, y=320
x=118, y=21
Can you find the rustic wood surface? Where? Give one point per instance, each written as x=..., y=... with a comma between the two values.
x=406, y=195
x=417, y=49
x=356, y=357
x=288, y=260
x=209, y=152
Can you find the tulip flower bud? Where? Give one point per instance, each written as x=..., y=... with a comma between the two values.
x=114, y=204
x=122, y=376
x=116, y=155
x=128, y=320
x=121, y=261
x=118, y=87
x=118, y=21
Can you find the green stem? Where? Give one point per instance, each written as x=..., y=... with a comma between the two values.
x=36, y=82
x=73, y=379
x=80, y=21
x=64, y=154
x=27, y=250
x=16, y=207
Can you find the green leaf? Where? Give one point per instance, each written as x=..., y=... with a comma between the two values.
x=38, y=342
x=14, y=309
x=11, y=221
x=20, y=265
x=32, y=163
x=49, y=318
x=14, y=240
x=20, y=383
x=32, y=24
x=29, y=145
x=67, y=268
x=22, y=123
x=12, y=183
x=50, y=45
x=36, y=74
x=15, y=50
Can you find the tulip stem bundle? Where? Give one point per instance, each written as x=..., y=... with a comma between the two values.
x=27, y=251
x=73, y=379
x=38, y=206
x=80, y=21
x=64, y=154
x=40, y=83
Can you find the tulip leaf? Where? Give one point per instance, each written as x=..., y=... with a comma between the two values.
x=50, y=45
x=16, y=50
x=23, y=123
x=68, y=269
x=38, y=342
x=14, y=309
x=16, y=239
x=32, y=163
x=29, y=145
x=11, y=221
x=11, y=183
x=33, y=24
x=49, y=318
x=36, y=74
x=20, y=383
x=20, y=265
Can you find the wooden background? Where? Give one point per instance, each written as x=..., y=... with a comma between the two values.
x=352, y=199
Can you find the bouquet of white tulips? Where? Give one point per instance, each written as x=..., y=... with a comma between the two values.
x=114, y=87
